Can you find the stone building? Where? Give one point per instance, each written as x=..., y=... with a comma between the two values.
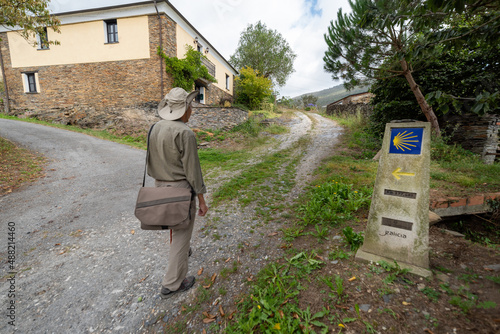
x=351, y=105
x=360, y=98
x=106, y=71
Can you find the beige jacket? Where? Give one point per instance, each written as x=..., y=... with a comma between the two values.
x=173, y=155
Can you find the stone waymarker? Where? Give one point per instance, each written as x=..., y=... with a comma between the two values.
x=398, y=223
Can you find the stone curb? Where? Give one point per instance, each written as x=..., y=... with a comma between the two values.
x=453, y=206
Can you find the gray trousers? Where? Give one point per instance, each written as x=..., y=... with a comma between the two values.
x=177, y=268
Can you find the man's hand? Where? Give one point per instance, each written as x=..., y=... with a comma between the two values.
x=203, y=206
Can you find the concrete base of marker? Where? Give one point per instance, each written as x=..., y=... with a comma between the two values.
x=369, y=257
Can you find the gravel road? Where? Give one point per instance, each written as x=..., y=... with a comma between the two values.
x=83, y=264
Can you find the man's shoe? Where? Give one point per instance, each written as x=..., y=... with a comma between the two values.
x=186, y=284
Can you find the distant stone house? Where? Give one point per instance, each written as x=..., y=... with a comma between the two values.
x=106, y=68
x=355, y=99
x=352, y=104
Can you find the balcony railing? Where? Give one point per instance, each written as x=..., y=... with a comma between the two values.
x=209, y=65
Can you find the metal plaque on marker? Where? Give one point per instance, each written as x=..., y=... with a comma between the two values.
x=398, y=193
x=397, y=223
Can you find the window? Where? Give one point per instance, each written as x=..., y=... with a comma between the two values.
x=227, y=82
x=42, y=39
x=30, y=82
x=111, y=31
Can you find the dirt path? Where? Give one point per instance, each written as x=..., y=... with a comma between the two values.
x=234, y=239
x=83, y=264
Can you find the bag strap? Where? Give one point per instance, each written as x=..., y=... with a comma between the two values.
x=147, y=156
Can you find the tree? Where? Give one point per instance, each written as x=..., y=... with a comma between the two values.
x=375, y=42
x=32, y=16
x=187, y=70
x=382, y=39
x=468, y=72
x=309, y=100
x=286, y=102
x=470, y=38
x=266, y=51
x=251, y=88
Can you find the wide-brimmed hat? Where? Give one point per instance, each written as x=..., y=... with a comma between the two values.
x=175, y=103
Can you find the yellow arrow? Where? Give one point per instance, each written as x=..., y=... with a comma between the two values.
x=397, y=173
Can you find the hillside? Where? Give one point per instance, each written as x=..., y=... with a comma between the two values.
x=335, y=93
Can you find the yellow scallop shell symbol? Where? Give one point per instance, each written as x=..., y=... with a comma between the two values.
x=403, y=139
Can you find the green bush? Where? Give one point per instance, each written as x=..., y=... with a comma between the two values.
x=251, y=88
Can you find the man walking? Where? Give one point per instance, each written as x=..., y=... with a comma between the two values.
x=173, y=162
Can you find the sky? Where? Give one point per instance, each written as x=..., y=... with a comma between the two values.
x=302, y=23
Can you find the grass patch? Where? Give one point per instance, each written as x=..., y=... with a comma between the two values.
x=224, y=159
x=18, y=166
x=264, y=182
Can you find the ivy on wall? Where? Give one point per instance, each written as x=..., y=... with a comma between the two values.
x=187, y=70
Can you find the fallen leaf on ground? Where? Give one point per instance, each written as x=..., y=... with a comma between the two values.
x=208, y=320
x=132, y=232
x=228, y=259
x=221, y=311
x=200, y=271
x=352, y=278
x=272, y=234
x=213, y=278
x=405, y=303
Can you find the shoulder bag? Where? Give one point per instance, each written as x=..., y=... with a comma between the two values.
x=160, y=208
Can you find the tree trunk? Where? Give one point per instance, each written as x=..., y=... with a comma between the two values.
x=426, y=108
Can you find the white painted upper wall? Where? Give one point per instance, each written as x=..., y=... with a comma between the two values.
x=84, y=43
x=184, y=38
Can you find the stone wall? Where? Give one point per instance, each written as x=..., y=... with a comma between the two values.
x=215, y=95
x=349, y=109
x=478, y=134
x=216, y=118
